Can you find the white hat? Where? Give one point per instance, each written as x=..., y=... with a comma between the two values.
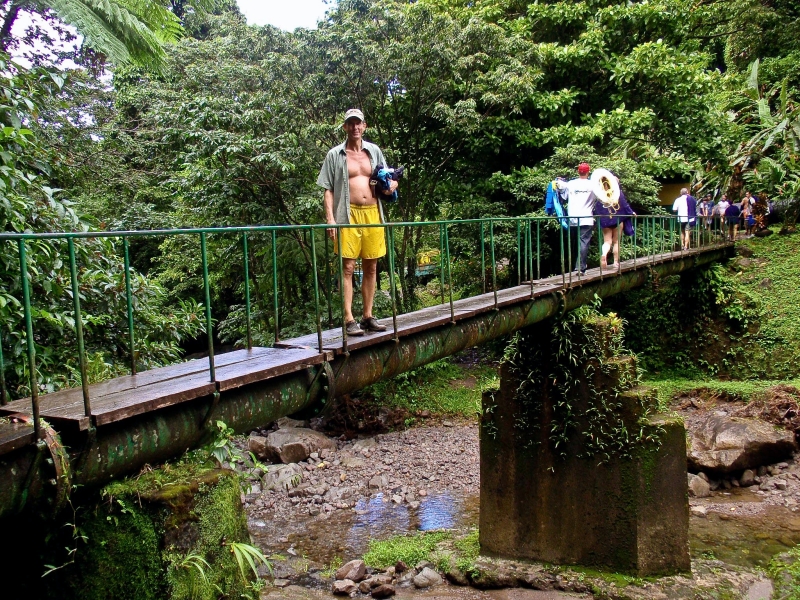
x=353, y=112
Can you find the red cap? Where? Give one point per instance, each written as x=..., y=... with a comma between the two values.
x=583, y=168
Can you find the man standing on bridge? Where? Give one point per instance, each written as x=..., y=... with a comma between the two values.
x=350, y=199
x=580, y=208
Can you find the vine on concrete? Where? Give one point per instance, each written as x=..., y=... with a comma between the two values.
x=564, y=360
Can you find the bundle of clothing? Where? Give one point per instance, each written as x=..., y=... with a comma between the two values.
x=382, y=177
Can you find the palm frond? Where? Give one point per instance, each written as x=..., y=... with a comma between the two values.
x=126, y=31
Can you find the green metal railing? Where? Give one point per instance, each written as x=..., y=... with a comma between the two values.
x=519, y=241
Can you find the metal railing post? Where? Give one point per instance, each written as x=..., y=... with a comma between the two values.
x=341, y=288
x=246, y=261
x=494, y=263
x=26, y=307
x=317, y=311
x=449, y=273
x=275, y=285
x=483, y=257
x=76, y=303
x=392, y=281
x=207, y=292
x=129, y=302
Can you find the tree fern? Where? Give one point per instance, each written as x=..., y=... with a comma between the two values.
x=126, y=31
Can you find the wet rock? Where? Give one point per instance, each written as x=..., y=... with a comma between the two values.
x=725, y=444
x=287, y=423
x=765, y=283
x=383, y=591
x=748, y=478
x=257, y=444
x=280, y=583
x=353, y=462
x=345, y=587
x=296, y=444
x=368, y=444
x=427, y=578
x=456, y=576
x=744, y=251
x=283, y=477
x=698, y=487
x=760, y=590
x=365, y=587
x=698, y=511
x=780, y=484
x=400, y=567
x=379, y=482
x=355, y=570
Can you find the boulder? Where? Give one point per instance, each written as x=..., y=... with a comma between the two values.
x=698, y=487
x=296, y=444
x=427, y=578
x=748, y=478
x=257, y=444
x=383, y=591
x=282, y=477
x=724, y=444
x=355, y=570
x=344, y=587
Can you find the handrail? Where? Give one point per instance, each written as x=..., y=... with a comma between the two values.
x=653, y=235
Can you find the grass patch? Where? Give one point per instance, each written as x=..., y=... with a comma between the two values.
x=784, y=570
x=441, y=387
x=468, y=549
x=411, y=549
x=668, y=389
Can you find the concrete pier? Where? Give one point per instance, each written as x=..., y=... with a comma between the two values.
x=560, y=488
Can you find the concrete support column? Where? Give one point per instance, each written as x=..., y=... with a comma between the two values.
x=576, y=468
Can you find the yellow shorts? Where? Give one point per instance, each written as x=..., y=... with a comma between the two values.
x=363, y=242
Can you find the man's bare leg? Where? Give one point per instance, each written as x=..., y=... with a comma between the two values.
x=607, y=243
x=368, y=284
x=615, y=245
x=348, y=266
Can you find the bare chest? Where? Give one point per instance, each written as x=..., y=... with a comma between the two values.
x=358, y=164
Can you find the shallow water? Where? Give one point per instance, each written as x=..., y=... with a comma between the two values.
x=733, y=535
x=347, y=533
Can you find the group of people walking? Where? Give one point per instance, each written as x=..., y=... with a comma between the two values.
x=585, y=199
x=749, y=214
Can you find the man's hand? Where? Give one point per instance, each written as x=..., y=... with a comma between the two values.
x=332, y=230
x=392, y=187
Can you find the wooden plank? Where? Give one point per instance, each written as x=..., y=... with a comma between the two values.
x=15, y=435
x=129, y=403
x=67, y=405
x=277, y=362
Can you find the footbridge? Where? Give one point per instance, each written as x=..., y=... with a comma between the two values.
x=87, y=435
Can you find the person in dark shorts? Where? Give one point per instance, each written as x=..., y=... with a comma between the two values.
x=732, y=215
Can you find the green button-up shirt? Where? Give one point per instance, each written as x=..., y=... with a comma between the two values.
x=333, y=176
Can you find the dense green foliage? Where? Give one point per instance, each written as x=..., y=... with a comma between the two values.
x=484, y=103
x=739, y=320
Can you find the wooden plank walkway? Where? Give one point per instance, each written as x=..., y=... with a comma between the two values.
x=128, y=396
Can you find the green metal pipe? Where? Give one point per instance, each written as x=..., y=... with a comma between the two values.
x=76, y=302
x=315, y=275
x=246, y=261
x=129, y=302
x=125, y=447
x=26, y=307
x=207, y=294
x=3, y=390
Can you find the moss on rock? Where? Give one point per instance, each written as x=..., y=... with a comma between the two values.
x=166, y=534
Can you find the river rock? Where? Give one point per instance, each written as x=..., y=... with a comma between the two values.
x=282, y=477
x=748, y=478
x=368, y=444
x=383, y=591
x=345, y=587
x=400, y=567
x=378, y=482
x=724, y=444
x=257, y=444
x=296, y=444
x=427, y=578
x=289, y=423
x=698, y=487
x=355, y=571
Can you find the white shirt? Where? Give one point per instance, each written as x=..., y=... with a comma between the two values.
x=682, y=207
x=580, y=201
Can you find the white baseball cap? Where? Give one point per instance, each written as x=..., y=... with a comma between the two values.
x=353, y=112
